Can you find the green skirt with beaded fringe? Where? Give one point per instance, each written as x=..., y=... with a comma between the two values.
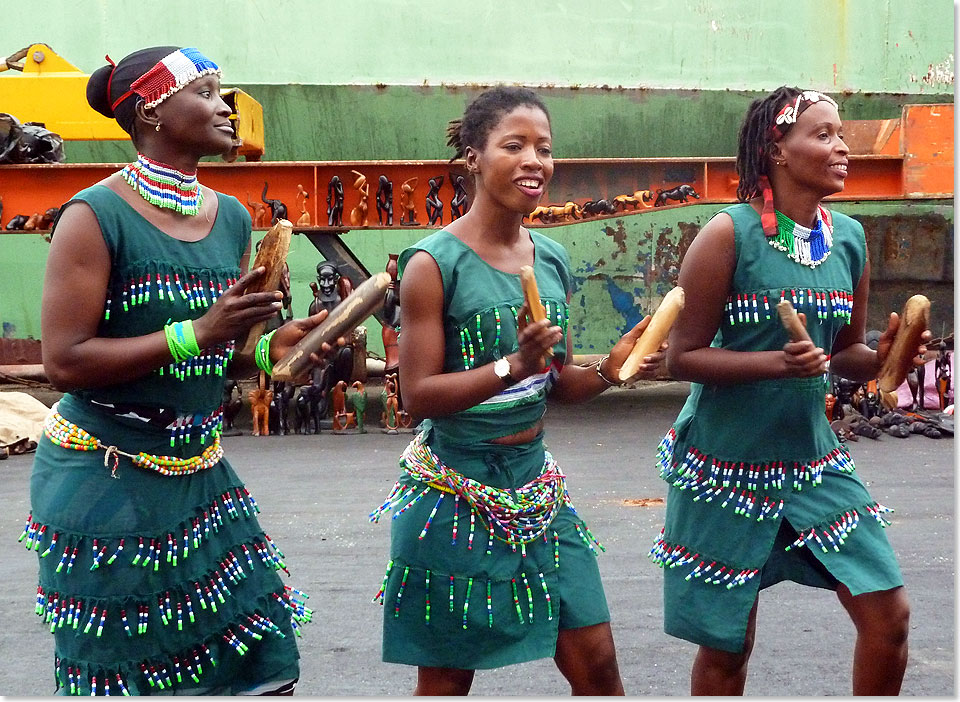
x=455, y=598
x=734, y=527
x=153, y=583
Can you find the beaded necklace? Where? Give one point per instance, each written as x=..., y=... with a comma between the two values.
x=808, y=247
x=164, y=186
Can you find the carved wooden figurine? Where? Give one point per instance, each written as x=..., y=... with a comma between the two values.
x=359, y=400
x=434, y=203
x=406, y=202
x=302, y=195
x=335, y=202
x=358, y=215
x=385, y=201
x=342, y=419
x=458, y=205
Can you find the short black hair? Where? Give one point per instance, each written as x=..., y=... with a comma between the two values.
x=753, y=145
x=485, y=112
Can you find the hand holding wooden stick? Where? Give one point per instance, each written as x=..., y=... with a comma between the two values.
x=791, y=322
x=272, y=254
x=899, y=360
x=532, y=296
x=356, y=307
x=655, y=333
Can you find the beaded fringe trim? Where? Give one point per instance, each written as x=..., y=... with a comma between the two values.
x=747, y=308
x=835, y=533
x=135, y=291
x=446, y=587
x=150, y=548
x=740, y=483
x=171, y=672
x=472, y=343
x=522, y=515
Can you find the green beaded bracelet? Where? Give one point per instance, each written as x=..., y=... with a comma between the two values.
x=181, y=340
x=261, y=354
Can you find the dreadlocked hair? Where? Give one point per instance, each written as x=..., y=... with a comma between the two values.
x=754, y=141
x=484, y=113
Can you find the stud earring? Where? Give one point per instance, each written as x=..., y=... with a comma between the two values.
x=157, y=127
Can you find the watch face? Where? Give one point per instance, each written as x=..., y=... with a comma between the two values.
x=502, y=368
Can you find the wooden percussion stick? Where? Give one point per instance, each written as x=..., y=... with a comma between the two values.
x=913, y=322
x=532, y=295
x=356, y=307
x=271, y=255
x=791, y=322
x=655, y=333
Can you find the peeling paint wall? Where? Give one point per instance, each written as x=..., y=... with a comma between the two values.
x=622, y=266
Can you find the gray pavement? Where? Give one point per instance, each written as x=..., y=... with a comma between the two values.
x=316, y=492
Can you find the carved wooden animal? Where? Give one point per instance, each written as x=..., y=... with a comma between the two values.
x=259, y=212
x=598, y=207
x=260, y=409
x=341, y=418
x=681, y=193
x=277, y=208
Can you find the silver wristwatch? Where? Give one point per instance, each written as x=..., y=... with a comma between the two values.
x=502, y=368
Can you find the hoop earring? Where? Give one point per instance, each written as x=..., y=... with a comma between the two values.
x=157, y=127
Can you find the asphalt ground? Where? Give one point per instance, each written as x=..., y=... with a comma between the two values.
x=316, y=493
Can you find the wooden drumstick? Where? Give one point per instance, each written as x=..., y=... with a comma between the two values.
x=899, y=361
x=656, y=331
x=366, y=299
x=791, y=322
x=271, y=255
x=532, y=295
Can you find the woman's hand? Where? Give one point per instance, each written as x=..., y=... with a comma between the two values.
x=234, y=312
x=647, y=370
x=290, y=334
x=535, y=339
x=801, y=359
x=885, y=342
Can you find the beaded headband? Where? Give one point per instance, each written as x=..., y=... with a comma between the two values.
x=788, y=116
x=170, y=74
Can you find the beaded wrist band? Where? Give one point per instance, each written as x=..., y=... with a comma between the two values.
x=610, y=383
x=181, y=340
x=261, y=354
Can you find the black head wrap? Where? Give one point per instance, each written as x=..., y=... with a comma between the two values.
x=110, y=83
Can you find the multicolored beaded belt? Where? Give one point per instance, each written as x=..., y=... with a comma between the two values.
x=68, y=435
x=522, y=515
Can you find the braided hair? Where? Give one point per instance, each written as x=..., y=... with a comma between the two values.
x=755, y=140
x=484, y=113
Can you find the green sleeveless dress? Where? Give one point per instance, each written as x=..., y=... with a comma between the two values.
x=453, y=595
x=153, y=583
x=761, y=490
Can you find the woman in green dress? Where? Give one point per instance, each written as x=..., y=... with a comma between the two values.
x=489, y=563
x=155, y=575
x=761, y=490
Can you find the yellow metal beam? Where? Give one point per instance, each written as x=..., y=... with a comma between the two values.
x=38, y=85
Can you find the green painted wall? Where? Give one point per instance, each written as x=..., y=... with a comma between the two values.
x=345, y=123
x=855, y=45
x=379, y=79
x=622, y=266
